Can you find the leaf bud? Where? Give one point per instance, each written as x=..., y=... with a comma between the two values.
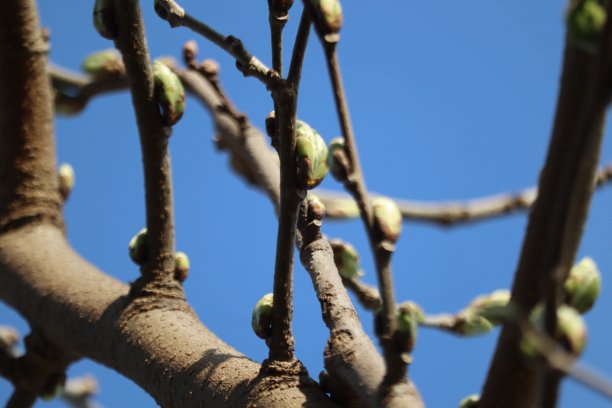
x=337, y=159
x=572, y=329
x=190, y=52
x=170, y=93
x=328, y=18
x=65, y=177
x=387, y=220
x=181, y=266
x=138, y=247
x=280, y=7
x=311, y=156
x=492, y=306
x=583, y=285
x=271, y=124
x=471, y=401
x=472, y=324
x=585, y=23
x=261, y=320
x=103, y=63
x=346, y=259
x=105, y=19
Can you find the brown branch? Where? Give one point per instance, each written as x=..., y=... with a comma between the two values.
x=558, y=215
x=340, y=206
x=350, y=357
x=176, y=16
x=159, y=343
x=29, y=189
x=154, y=135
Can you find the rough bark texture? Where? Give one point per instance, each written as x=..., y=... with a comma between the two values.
x=157, y=342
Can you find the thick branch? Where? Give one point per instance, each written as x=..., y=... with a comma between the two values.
x=558, y=216
x=158, y=342
x=153, y=141
x=29, y=189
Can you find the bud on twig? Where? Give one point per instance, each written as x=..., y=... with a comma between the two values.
x=346, y=259
x=387, y=221
x=138, y=247
x=261, y=320
x=337, y=159
x=54, y=386
x=328, y=19
x=170, y=93
x=585, y=23
x=105, y=19
x=471, y=401
x=311, y=155
x=190, y=53
x=181, y=266
x=583, y=285
x=65, y=176
x=103, y=63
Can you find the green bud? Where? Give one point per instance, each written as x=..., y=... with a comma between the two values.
x=571, y=331
x=328, y=18
x=409, y=315
x=493, y=306
x=346, y=259
x=261, y=320
x=103, y=63
x=585, y=22
x=472, y=324
x=170, y=93
x=311, y=154
x=387, y=219
x=65, y=176
x=138, y=247
x=105, y=18
x=471, y=401
x=583, y=285
x=181, y=266
x=337, y=159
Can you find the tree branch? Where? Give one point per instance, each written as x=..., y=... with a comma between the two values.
x=350, y=357
x=29, y=189
x=153, y=141
x=159, y=343
x=557, y=219
x=248, y=64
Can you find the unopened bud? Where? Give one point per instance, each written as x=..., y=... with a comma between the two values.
x=105, y=18
x=472, y=324
x=103, y=63
x=271, y=124
x=311, y=154
x=572, y=329
x=280, y=7
x=181, y=266
x=261, y=320
x=210, y=68
x=493, y=306
x=387, y=220
x=337, y=160
x=139, y=247
x=65, y=176
x=471, y=401
x=583, y=285
x=346, y=259
x=585, y=23
x=170, y=93
x=190, y=52
x=327, y=18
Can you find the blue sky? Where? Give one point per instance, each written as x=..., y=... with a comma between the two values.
x=450, y=100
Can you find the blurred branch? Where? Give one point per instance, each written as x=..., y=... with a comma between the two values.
x=557, y=219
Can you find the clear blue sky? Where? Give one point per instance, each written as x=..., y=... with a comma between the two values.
x=450, y=100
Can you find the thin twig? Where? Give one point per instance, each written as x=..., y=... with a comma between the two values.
x=248, y=64
x=153, y=140
x=299, y=50
x=355, y=184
